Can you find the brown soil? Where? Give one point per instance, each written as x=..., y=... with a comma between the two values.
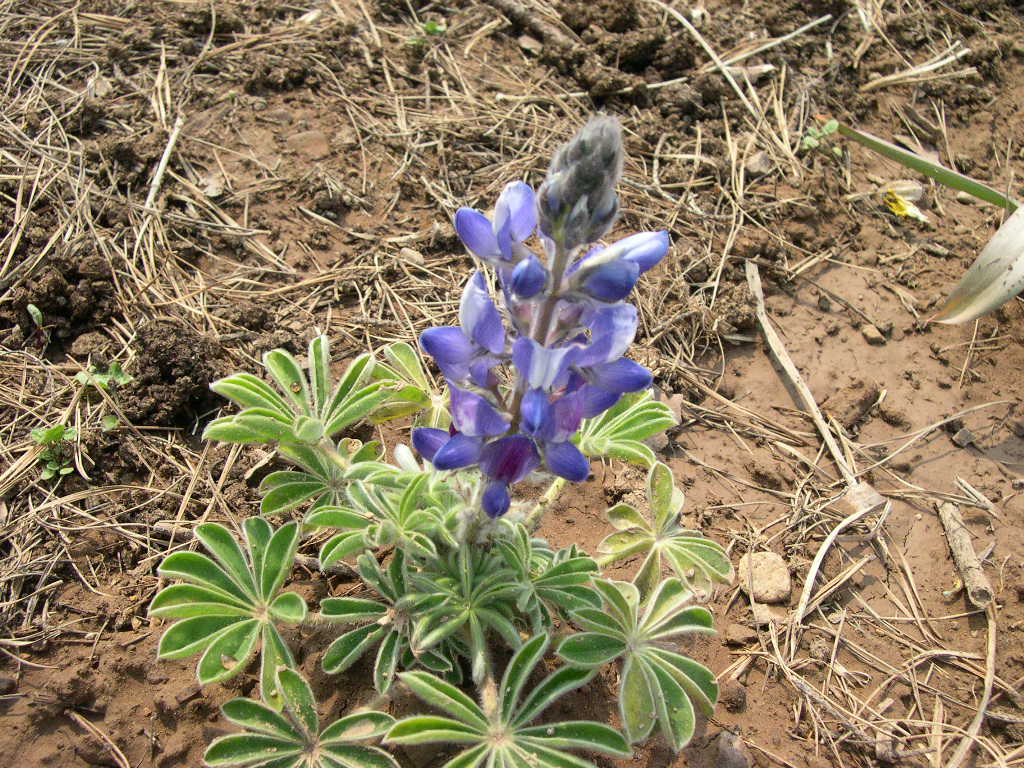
x=311, y=186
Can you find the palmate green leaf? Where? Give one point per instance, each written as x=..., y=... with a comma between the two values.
x=412, y=391
x=250, y=749
x=696, y=560
x=507, y=739
x=250, y=392
x=388, y=621
x=580, y=734
x=675, y=710
x=183, y=601
x=518, y=671
x=431, y=729
x=276, y=654
x=233, y=647
x=387, y=661
x=304, y=409
x=192, y=635
x=655, y=684
x=550, y=584
x=618, y=432
x=230, y=602
x=446, y=697
x=697, y=680
x=299, y=703
x=341, y=546
x=287, y=372
x=357, y=726
x=287, y=489
x=289, y=607
x=292, y=739
x=351, y=610
x=255, y=716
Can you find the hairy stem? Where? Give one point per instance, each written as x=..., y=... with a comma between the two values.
x=550, y=495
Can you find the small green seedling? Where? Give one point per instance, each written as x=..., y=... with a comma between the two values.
x=434, y=28
x=815, y=136
x=36, y=314
x=103, y=379
x=55, y=456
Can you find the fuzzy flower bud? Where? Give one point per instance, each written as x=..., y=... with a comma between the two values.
x=577, y=203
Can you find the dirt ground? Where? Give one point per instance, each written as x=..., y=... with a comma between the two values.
x=186, y=185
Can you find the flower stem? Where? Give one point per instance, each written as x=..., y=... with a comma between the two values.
x=540, y=328
x=550, y=495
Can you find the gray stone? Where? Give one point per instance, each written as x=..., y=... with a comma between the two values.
x=732, y=752
x=764, y=576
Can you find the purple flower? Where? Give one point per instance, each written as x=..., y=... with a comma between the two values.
x=528, y=278
x=469, y=351
x=473, y=415
x=543, y=367
x=500, y=243
x=504, y=462
x=552, y=425
x=427, y=441
x=609, y=274
x=612, y=329
x=610, y=282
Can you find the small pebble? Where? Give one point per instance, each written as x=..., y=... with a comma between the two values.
x=872, y=335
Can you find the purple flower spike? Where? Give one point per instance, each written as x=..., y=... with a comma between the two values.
x=473, y=415
x=460, y=451
x=529, y=277
x=427, y=441
x=612, y=281
x=515, y=216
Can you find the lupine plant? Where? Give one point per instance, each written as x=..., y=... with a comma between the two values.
x=456, y=591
